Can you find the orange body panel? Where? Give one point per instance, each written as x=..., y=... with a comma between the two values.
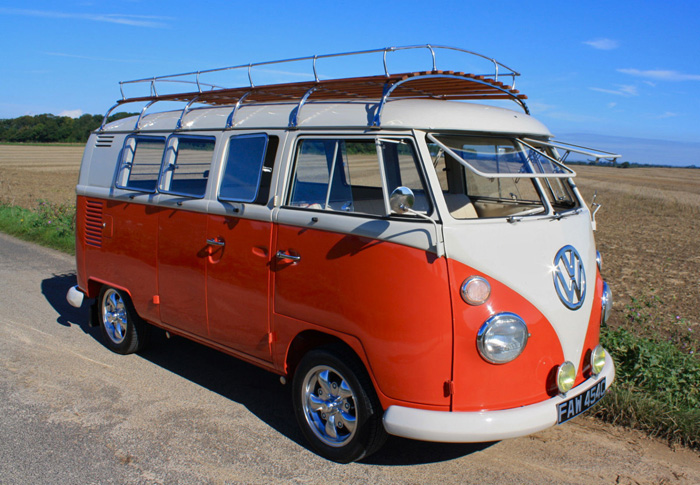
x=398, y=307
x=480, y=385
x=528, y=379
x=182, y=260
x=126, y=258
x=238, y=287
x=392, y=298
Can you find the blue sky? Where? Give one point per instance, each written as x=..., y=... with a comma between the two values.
x=617, y=71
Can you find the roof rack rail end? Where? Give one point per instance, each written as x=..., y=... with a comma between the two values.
x=389, y=89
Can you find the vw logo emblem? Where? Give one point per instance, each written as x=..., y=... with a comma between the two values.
x=569, y=277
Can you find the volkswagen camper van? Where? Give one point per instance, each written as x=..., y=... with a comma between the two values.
x=412, y=258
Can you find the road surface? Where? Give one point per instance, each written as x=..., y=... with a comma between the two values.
x=73, y=412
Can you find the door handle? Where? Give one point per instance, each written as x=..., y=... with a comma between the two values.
x=291, y=257
x=216, y=242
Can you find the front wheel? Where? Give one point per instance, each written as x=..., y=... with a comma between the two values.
x=122, y=329
x=336, y=406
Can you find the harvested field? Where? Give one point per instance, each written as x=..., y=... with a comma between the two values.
x=29, y=174
x=649, y=235
x=648, y=232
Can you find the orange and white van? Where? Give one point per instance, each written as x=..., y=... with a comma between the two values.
x=414, y=261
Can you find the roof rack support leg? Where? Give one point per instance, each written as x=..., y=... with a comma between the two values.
x=104, y=120
x=295, y=117
x=229, y=120
x=138, y=121
x=178, y=125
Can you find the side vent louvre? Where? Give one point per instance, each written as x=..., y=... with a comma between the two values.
x=93, y=223
x=104, y=141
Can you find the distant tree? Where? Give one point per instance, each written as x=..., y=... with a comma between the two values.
x=625, y=165
x=48, y=128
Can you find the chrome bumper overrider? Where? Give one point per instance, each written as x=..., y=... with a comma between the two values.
x=476, y=427
x=75, y=297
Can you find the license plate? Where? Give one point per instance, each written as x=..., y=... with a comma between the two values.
x=576, y=405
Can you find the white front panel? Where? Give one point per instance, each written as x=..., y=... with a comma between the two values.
x=521, y=256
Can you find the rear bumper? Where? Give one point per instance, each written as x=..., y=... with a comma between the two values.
x=481, y=426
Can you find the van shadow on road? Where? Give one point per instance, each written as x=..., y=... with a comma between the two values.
x=256, y=389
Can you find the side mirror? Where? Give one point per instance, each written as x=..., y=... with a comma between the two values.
x=402, y=200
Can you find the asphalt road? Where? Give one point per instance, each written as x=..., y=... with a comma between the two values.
x=71, y=411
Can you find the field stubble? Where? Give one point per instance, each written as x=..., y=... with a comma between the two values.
x=648, y=232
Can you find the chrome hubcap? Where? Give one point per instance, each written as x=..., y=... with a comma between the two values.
x=329, y=406
x=114, y=316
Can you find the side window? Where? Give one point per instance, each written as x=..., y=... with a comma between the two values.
x=248, y=168
x=345, y=175
x=140, y=163
x=186, y=165
x=402, y=169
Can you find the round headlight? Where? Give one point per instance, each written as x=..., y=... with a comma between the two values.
x=502, y=338
x=597, y=359
x=566, y=376
x=607, y=302
x=475, y=290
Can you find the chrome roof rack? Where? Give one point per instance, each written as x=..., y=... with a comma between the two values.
x=433, y=83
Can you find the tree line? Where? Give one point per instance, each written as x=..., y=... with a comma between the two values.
x=48, y=128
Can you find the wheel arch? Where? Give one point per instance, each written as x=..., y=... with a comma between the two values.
x=309, y=340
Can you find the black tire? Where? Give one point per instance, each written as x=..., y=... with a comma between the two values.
x=123, y=331
x=336, y=406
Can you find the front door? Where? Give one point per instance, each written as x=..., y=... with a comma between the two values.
x=342, y=263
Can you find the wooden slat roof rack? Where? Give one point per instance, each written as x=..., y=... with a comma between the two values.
x=431, y=84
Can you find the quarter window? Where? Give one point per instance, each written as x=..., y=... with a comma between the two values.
x=140, y=163
x=186, y=165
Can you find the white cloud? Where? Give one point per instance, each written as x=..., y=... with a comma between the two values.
x=603, y=44
x=626, y=90
x=72, y=113
x=661, y=75
x=150, y=21
x=90, y=58
x=612, y=105
x=667, y=114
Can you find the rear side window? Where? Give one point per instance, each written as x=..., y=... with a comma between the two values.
x=186, y=165
x=140, y=163
x=248, y=168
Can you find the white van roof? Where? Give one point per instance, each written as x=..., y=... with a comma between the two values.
x=424, y=114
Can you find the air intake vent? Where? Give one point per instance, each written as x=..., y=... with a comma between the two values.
x=104, y=141
x=93, y=223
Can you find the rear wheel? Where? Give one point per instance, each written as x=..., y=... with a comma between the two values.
x=122, y=330
x=336, y=406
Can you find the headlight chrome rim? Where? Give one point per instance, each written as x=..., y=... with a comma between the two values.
x=475, y=290
x=599, y=261
x=566, y=377
x=488, y=336
x=598, y=355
